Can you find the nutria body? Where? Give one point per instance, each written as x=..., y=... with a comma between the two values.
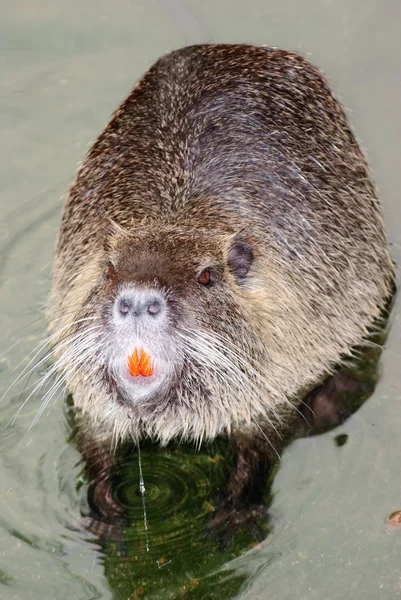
x=225, y=222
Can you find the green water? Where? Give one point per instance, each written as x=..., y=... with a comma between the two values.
x=65, y=67
x=180, y=487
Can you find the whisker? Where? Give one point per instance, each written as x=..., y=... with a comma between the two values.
x=227, y=343
x=51, y=393
x=59, y=365
x=66, y=341
x=42, y=318
x=267, y=439
x=25, y=373
x=238, y=375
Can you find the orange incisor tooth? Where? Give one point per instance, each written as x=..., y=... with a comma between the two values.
x=140, y=363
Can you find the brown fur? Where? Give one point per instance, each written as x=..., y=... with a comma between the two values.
x=215, y=144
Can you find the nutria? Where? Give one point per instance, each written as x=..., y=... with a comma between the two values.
x=224, y=224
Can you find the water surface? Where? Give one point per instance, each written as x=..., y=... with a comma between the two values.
x=65, y=67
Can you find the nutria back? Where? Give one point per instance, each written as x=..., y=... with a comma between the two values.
x=225, y=224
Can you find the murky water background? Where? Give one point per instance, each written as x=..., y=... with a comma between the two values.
x=65, y=66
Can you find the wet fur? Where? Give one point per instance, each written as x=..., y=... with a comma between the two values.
x=218, y=143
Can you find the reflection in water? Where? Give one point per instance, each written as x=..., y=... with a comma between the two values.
x=167, y=551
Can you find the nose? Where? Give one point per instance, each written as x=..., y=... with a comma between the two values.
x=139, y=304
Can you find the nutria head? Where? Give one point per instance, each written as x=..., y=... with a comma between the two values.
x=183, y=298
x=160, y=287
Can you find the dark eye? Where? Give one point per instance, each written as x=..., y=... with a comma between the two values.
x=205, y=278
x=111, y=271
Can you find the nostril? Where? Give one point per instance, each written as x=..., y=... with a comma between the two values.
x=124, y=306
x=155, y=307
x=138, y=304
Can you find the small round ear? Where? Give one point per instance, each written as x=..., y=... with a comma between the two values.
x=240, y=258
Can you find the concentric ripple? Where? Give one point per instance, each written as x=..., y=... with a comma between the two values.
x=177, y=497
x=165, y=551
